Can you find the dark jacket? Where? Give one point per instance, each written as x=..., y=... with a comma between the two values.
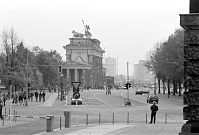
x=154, y=108
x=36, y=94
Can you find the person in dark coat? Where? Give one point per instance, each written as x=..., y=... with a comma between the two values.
x=4, y=99
x=154, y=109
x=36, y=96
x=43, y=96
x=40, y=96
x=1, y=108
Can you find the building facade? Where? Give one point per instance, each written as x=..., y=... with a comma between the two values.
x=84, y=62
x=110, y=65
x=141, y=73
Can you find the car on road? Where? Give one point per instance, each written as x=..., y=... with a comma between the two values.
x=145, y=91
x=152, y=98
x=121, y=87
x=138, y=92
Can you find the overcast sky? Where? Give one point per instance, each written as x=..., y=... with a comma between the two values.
x=127, y=28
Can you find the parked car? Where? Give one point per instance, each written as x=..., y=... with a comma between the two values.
x=121, y=87
x=152, y=98
x=145, y=91
x=138, y=92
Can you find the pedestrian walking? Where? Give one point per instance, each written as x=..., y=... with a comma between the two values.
x=4, y=99
x=40, y=96
x=1, y=108
x=36, y=96
x=20, y=98
x=154, y=109
x=43, y=96
x=31, y=96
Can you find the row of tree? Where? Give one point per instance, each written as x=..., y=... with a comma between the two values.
x=166, y=61
x=20, y=65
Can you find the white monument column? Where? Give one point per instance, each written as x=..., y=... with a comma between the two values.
x=67, y=84
x=83, y=80
x=76, y=77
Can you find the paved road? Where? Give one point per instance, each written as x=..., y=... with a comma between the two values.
x=97, y=105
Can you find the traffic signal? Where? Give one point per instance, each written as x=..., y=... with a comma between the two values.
x=127, y=85
x=29, y=85
x=60, y=68
x=130, y=85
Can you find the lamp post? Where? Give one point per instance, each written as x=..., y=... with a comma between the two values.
x=127, y=81
x=155, y=85
x=61, y=87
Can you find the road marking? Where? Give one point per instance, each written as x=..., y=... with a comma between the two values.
x=50, y=101
x=101, y=100
x=98, y=130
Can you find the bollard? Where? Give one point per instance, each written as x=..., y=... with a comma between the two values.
x=9, y=113
x=15, y=117
x=87, y=119
x=49, y=123
x=67, y=119
x=99, y=118
x=165, y=118
x=146, y=118
x=60, y=123
x=128, y=118
x=113, y=119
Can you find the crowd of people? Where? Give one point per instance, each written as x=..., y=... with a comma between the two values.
x=22, y=98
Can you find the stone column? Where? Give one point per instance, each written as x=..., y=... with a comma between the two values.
x=67, y=85
x=83, y=80
x=76, y=77
x=68, y=77
x=190, y=22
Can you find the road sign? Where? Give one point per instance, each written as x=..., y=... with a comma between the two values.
x=76, y=95
x=76, y=84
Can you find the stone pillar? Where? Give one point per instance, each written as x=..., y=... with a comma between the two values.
x=49, y=123
x=190, y=22
x=67, y=115
x=68, y=78
x=76, y=77
x=83, y=78
x=67, y=84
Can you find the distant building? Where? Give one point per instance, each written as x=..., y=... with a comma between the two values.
x=84, y=61
x=110, y=65
x=141, y=73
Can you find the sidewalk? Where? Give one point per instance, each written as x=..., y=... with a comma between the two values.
x=50, y=99
x=119, y=129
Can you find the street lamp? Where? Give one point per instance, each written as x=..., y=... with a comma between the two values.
x=61, y=87
x=155, y=85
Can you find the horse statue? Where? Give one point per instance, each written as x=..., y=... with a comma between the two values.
x=77, y=34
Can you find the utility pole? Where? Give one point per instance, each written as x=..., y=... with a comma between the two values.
x=127, y=80
x=27, y=91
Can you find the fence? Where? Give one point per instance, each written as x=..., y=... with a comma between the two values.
x=36, y=124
